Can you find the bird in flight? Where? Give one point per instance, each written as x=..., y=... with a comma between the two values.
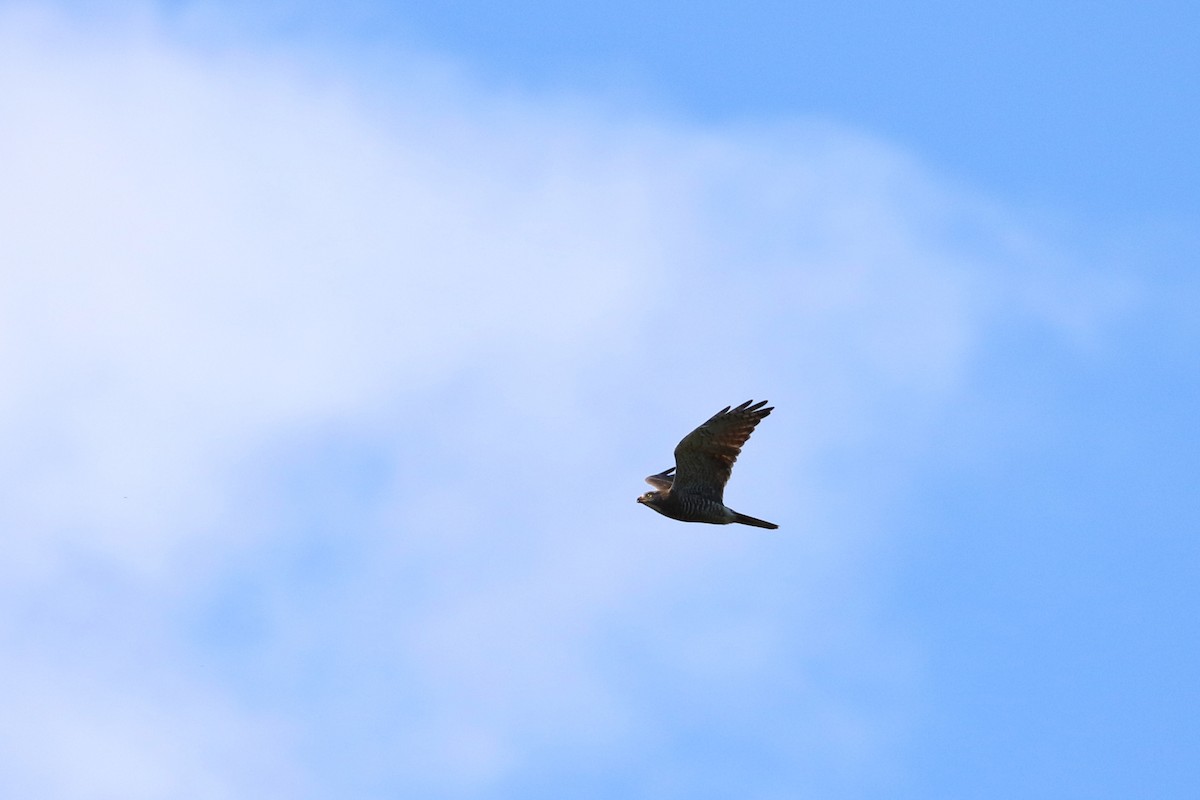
x=703, y=462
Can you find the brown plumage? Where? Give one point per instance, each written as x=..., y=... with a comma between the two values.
x=703, y=463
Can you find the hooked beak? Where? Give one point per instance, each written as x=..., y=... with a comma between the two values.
x=639, y=498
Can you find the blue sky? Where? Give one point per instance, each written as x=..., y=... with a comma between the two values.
x=338, y=341
x=1043, y=103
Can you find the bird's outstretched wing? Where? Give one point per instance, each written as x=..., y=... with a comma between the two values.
x=704, y=458
x=662, y=480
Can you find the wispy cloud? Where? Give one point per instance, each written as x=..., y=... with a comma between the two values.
x=327, y=406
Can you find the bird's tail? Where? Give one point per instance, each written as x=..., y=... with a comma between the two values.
x=758, y=523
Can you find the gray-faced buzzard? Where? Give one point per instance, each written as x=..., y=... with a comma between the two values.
x=703, y=462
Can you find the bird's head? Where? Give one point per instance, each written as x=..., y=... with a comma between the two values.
x=650, y=498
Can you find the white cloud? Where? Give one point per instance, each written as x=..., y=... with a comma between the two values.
x=221, y=266
x=199, y=255
x=74, y=733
